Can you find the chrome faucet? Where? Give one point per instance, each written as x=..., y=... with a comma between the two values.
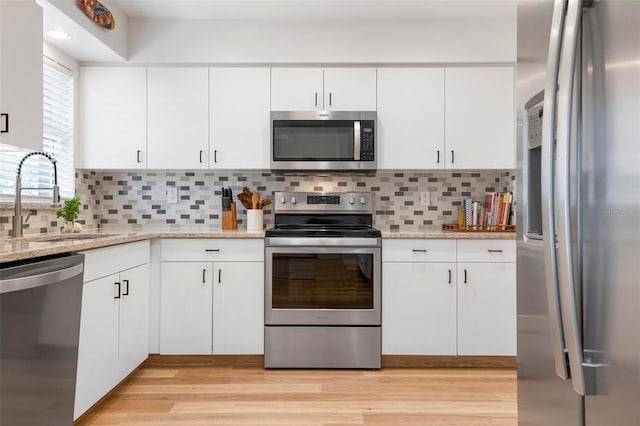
x=17, y=218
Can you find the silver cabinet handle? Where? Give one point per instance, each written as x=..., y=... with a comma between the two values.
x=494, y=251
x=565, y=255
x=548, y=188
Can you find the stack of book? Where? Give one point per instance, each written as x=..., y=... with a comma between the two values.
x=494, y=211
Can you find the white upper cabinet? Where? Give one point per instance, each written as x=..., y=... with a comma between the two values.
x=479, y=118
x=316, y=89
x=410, y=132
x=350, y=89
x=178, y=114
x=296, y=89
x=239, y=118
x=113, y=118
x=21, y=74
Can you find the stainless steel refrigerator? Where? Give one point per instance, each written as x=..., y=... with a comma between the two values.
x=578, y=99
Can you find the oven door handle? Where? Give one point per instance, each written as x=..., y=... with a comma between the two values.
x=322, y=242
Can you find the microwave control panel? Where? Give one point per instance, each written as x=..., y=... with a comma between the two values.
x=367, y=147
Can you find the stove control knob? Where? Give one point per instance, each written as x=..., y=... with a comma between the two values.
x=293, y=200
x=363, y=200
x=352, y=200
x=283, y=200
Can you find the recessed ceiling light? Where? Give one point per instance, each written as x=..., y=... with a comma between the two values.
x=59, y=34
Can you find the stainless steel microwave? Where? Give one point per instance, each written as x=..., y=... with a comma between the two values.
x=323, y=141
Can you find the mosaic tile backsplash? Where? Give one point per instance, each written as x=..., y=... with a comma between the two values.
x=138, y=198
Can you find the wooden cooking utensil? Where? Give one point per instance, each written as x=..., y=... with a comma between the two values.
x=255, y=199
x=246, y=200
x=264, y=203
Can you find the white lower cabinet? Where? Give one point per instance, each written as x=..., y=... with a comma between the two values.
x=238, y=308
x=97, y=354
x=186, y=304
x=418, y=308
x=486, y=309
x=213, y=306
x=114, y=321
x=435, y=305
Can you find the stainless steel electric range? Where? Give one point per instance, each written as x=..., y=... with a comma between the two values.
x=323, y=282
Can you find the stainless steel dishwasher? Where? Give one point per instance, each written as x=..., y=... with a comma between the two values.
x=40, y=304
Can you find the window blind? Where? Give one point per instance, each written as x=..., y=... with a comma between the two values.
x=57, y=132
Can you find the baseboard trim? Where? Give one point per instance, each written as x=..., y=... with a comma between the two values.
x=438, y=361
x=390, y=361
x=156, y=360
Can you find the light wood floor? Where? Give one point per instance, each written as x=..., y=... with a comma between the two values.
x=254, y=396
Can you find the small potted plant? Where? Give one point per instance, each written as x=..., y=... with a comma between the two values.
x=69, y=212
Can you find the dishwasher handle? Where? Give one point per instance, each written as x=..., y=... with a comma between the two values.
x=32, y=281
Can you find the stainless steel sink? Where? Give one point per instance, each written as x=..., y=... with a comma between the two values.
x=67, y=237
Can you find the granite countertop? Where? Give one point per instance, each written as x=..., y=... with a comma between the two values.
x=47, y=244
x=450, y=235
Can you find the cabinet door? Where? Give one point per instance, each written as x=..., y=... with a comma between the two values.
x=479, y=117
x=296, y=89
x=185, y=308
x=21, y=75
x=350, y=89
x=178, y=114
x=411, y=118
x=134, y=319
x=239, y=117
x=238, y=308
x=418, y=309
x=97, y=352
x=113, y=117
x=486, y=308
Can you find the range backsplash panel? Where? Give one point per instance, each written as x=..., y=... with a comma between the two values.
x=138, y=198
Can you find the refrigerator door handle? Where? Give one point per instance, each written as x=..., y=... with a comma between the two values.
x=566, y=261
x=547, y=190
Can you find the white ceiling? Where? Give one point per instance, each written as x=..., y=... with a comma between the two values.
x=310, y=9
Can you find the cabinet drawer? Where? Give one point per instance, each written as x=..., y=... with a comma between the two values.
x=213, y=250
x=418, y=251
x=109, y=260
x=486, y=251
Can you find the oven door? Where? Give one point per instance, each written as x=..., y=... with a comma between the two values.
x=322, y=285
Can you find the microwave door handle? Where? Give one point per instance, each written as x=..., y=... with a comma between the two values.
x=356, y=140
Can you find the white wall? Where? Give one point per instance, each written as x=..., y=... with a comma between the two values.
x=116, y=39
x=462, y=40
